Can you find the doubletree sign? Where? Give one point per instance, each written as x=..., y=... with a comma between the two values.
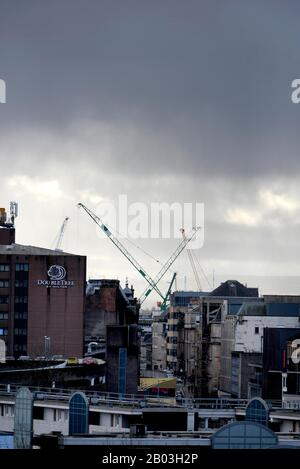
x=56, y=275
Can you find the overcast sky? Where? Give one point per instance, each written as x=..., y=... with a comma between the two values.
x=161, y=100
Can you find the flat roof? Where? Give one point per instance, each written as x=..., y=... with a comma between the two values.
x=21, y=249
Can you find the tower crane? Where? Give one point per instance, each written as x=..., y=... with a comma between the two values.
x=164, y=305
x=61, y=234
x=169, y=262
x=121, y=248
x=153, y=283
x=191, y=258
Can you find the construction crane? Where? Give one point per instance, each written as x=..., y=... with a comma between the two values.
x=153, y=283
x=169, y=262
x=164, y=304
x=61, y=234
x=121, y=248
x=192, y=262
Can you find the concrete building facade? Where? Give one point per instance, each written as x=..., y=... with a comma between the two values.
x=242, y=344
x=159, y=343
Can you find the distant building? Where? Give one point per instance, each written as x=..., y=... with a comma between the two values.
x=194, y=334
x=145, y=352
x=112, y=314
x=42, y=293
x=243, y=341
x=281, y=365
x=180, y=302
x=107, y=303
x=159, y=349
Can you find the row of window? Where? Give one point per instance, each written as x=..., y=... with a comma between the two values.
x=19, y=267
x=3, y=331
x=62, y=415
x=22, y=267
x=172, y=340
x=21, y=299
x=20, y=348
x=18, y=299
x=21, y=283
x=172, y=352
x=38, y=412
x=18, y=283
x=20, y=331
x=18, y=315
x=21, y=315
x=177, y=315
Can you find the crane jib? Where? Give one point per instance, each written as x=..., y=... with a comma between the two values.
x=106, y=230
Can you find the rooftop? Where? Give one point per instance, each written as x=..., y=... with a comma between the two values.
x=20, y=249
x=270, y=309
x=234, y=288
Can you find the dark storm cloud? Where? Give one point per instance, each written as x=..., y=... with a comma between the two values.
x=198, y=87
x=161, y=100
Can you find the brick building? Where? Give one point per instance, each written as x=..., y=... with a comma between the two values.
x=42, y=295
x=111, y=316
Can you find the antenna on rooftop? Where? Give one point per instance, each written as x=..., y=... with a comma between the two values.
x=14, y=211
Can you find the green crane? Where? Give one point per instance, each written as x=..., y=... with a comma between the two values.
x=169, y=262
x=153, y=283
x=123, y=250
x=164, y=304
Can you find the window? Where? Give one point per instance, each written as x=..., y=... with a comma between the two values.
x=94, y=418
x=21, y=299
x=20, y=315
x=3, y=300
x=38, y=413
x=20, y=331
x=3, y=330
x=4, y=283
x=256, y=330
x=8, y=410
x=22, y=267
x=172, y=340
x=21, y=283
x=3, y=315
x=20, y=348
x=4, y=267
x=59, y=415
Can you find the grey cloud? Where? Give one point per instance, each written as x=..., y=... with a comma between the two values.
x=163, y=100
x=205, y=86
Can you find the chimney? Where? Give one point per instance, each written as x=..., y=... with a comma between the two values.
x=7, y=235
x=7, y=231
